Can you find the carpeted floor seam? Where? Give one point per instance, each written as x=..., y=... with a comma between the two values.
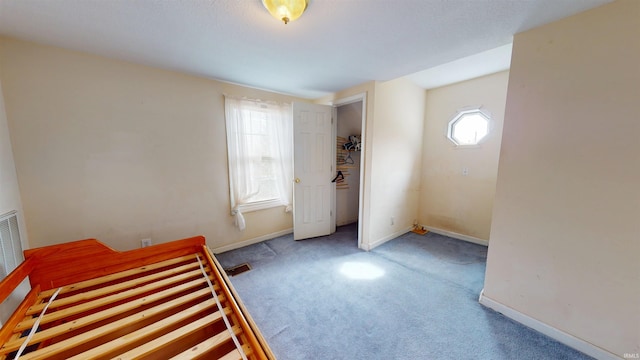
x=426, y=273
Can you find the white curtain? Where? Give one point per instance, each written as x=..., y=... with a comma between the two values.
x=284, y=140
x=278, y=128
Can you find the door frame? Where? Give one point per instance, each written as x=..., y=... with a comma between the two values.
x=363, y=219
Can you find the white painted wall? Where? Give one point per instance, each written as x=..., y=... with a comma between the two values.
x=451, y=201
x=121, y=152
x=396, y=158
x=9, y=200
x=565, y=236
x=9, y=189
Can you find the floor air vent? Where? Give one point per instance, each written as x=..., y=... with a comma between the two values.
x=238, y=269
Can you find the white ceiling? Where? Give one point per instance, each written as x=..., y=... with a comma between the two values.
x=336, y=44
x=472, y=66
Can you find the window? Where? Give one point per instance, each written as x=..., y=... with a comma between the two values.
x=469, y=127
x=259, y=142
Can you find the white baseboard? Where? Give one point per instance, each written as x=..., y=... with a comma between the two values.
x=346, y=222
x=554, y=333
x=379, y=242
x=455, y=235
x=248, y=242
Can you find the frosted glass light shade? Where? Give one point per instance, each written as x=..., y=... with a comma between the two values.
x=285, y=10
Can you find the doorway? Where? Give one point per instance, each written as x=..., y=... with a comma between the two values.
x=349, y=130
x=310, y=150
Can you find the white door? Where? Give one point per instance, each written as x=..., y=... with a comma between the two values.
x=313, y=169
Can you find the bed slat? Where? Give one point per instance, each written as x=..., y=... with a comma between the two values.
x=208, y=345
x=146, y=303
x=94, y=318
x=117, y=288
x=233, y=355
x=161, y=342
x=96, y=333
x=153, y=329
x=117, y=276
x=87, y=306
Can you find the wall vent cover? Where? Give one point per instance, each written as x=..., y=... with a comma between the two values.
x=10, y=244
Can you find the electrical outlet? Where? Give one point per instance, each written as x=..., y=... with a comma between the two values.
x=465, y=171
x=393, y=221
x=145, y=242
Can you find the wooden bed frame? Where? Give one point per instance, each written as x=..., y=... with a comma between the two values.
x=88, y=301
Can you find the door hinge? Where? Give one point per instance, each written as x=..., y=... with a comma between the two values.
x=332, y=119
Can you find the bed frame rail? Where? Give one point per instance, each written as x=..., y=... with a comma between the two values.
x=89, y=301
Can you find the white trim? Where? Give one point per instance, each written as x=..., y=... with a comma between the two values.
x=554, y=333
x=347, y=222
x=7, y=215
x=260, y=205
x=349, y=100
x=455, y=235
x=334, y=168
x=248, y=242
x=468, y=111
x=379, y=242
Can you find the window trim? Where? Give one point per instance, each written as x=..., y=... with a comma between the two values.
x=260, y=205
x=257, y=106
x=464, y=112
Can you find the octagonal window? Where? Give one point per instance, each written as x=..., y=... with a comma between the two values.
x=469, y=127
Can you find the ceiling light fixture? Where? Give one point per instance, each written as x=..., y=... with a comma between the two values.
x=285, y=10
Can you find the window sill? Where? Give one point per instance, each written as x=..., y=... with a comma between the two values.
x=259, y=205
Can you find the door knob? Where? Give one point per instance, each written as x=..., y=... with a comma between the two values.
x=297, y=180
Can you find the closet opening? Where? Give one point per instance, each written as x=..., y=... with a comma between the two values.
x=350, y=117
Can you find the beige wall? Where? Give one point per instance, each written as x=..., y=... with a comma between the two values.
x=449, y=200
x=10, y=192
x=565, y=233
x=121, y=152
x=347, y=198
x=396, y=152
x=10, y=201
